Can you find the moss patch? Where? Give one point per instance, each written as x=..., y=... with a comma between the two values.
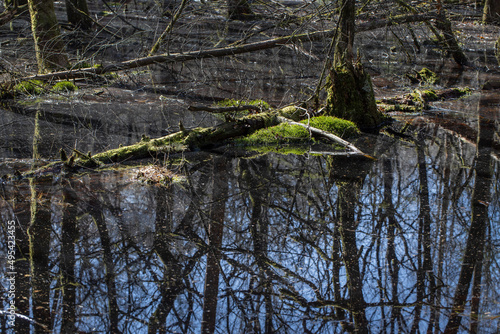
x=286, y=134
x=424, y=76
x=31, y=87
x=235, y=103
x=64, y=86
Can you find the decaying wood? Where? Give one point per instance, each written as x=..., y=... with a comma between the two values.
x=225, y=51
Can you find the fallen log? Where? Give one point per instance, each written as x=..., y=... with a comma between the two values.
x=224, y=51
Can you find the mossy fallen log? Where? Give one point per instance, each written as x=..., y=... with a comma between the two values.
x=420, y=99
x=186, y=140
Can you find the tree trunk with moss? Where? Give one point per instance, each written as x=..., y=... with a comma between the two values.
x=78, y=14
x=48, y=44
x=239, y=10
x=491, y=11
x=349, y=88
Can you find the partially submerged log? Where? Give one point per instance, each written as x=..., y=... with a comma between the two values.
x=185, y=140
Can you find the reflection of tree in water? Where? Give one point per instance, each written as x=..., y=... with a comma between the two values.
x=270, y=244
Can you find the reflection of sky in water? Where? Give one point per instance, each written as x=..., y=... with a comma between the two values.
x=299, y=241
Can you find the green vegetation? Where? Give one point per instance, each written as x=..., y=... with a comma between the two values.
x=64, y=86
x=285, y=133
x=424, y=76
x=235, y=103
x=31, y=87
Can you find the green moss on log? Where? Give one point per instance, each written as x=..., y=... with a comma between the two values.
x=64, y=86
x=31, y=87
x=285, y=133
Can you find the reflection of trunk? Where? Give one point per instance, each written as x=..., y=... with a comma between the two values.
x=22, y=266
x=69, y=235
x=443, y=228
x=425, y=274
x=336, y=266
x=473, y=256
x=215, y=233
x=39, y=240
x=392, y=260
x=174, y=270
x=96, y=210
x=348, y=193
x=259, y=227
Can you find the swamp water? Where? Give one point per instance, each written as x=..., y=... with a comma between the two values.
x=265, y=243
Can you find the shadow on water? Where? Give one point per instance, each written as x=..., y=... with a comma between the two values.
x=274, y=243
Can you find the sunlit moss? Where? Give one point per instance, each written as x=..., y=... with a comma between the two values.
x=338, y=126
x=64, y=86
x=424, y=76
x=235, y=103
x=285, y=133
x=31, y=87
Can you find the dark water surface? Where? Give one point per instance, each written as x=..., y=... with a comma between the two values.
x=270, y=243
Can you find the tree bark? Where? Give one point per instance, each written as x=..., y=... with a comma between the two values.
x=491, y=11
x=350, y=96
x=78, y=14
x=46, y=34
x=239, y=10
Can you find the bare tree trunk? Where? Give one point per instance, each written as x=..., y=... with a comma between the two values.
x=78, y=14
x=46, y=34
x=349, y=88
